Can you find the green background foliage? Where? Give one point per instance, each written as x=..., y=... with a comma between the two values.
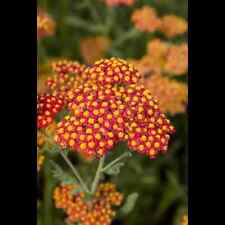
x=161, y=184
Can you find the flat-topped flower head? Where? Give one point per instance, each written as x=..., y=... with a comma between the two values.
x=47, y=108
x=145, y=19
x=97, y=211
x=45, y=24
x=113, y=71
x=173, y=25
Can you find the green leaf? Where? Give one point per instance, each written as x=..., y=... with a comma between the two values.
x=115, y=169
x=60, y=175
x=130, y=203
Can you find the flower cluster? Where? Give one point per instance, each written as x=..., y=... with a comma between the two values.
x=177, y=60
x=97, y=211
x=146, y=19
x=112, y=71
x=172, y=94
x=67, y=75
x=112, y=3
x=94, y=48
x=163, y=57
x=102, y=115
x=47, y=108
x=45, y=24
x=173, y=25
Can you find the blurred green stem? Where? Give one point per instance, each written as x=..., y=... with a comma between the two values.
x=97, y=175
x=93, y=28
x=76, y=173
x=133, y=33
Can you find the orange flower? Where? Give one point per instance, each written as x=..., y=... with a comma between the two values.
x=97, y=211
x=173, y=25
x=171, y=93
x=45, y=24
x=163, y=57
x=176, y=61
x=94, y=48
x=145, y=19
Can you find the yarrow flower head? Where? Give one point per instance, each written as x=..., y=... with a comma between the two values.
x=172, y=94
x=103, y=115
x=112, y=3
x=112, y=71
x=97, y=211
x=164, y=58
x=145, y=19
x=173, y=25
x=45, y=24
x=47, y=108
x=94, y=48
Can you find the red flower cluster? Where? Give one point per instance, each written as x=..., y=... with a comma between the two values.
x=102, y=115
x=97, y=123
x=47, y=108
x=97, y=211
x=112, y=71
x=67, y=76
x=63, y=67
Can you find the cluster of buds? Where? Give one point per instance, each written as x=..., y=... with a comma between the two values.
x=163, y=57
x=111, y=109
x=112, y=3
x=172, y=94
x=97, y=211
x=47, y=108
x=94, y=48
x=146, y=19
x=45, y=24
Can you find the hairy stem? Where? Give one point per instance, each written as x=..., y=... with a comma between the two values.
x=97, y=175
x=75, y=172
x=124, y=155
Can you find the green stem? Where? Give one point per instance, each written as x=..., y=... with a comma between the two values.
x=76, y=173
x=124, y=155
x=97, y=175
x=126, y=36
x=80, y=23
